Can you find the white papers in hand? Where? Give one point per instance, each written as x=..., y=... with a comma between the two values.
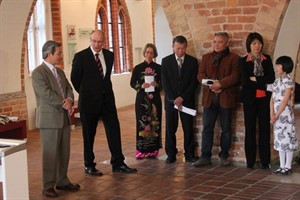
x=207, y=82
x=149, y=79
x=187, y=110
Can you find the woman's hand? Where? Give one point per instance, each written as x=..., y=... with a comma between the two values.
x=253, y=78
x=145, y=85
x=154, y=84
x=274, y=118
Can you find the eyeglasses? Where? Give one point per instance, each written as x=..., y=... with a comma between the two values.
x=97, y=42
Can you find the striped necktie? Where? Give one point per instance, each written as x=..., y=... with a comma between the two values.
x=58, y=80
x=100, y=68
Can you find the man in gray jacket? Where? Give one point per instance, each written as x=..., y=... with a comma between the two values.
x=54, y=99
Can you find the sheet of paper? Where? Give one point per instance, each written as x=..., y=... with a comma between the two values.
x=149, y=79
x=270, y=87
x=187, y=110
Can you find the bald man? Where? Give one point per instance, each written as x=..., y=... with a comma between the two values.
x=90, y=76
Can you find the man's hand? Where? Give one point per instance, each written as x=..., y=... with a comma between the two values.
x=67, y=103
x=216, y=87
x=178, y=102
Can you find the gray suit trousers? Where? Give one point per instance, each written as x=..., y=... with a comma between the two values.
x=55, y=146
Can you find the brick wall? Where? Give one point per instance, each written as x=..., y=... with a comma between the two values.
x=14, y=104
x=198, y=20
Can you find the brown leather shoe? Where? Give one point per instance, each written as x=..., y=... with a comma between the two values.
x=69, y=187
x=50, y=193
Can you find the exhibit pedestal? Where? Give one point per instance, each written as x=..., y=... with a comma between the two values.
x=13, y=169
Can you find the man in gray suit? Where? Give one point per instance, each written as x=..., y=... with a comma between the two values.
x=54, y=98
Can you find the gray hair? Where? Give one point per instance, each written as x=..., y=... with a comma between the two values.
x=224, y=34
x=49, y=47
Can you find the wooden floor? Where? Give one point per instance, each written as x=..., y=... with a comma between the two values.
x=156, y=179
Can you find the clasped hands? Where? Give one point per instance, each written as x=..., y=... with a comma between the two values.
x=216, y=87
x=146, y=85
x=67, y=105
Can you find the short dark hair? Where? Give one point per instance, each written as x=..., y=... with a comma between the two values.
x=150, y=45
x=180, y=39
x=49, y=47
x=286, y=62
x=251, y=37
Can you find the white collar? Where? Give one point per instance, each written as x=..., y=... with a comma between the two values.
x=94, y=52
x=50, y=66
x=180, y=57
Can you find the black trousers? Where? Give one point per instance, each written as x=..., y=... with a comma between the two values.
x=171, y=128
x=110, y=120
x=257, y=112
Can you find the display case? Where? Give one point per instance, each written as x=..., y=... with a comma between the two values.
x=14, y=130
x=14, y=169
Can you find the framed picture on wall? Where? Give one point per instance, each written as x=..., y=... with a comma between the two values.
x=85, y=32
x=71, y=31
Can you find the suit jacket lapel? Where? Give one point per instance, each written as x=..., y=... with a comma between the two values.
x=53, y=80
x=175, y=68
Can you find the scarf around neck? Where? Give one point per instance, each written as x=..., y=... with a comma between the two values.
x=258, y=69
x=219, y=55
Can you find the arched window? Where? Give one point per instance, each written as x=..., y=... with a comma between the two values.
x=36, y=35
x=112, y=18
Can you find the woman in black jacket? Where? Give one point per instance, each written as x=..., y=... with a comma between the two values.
x=256, y=72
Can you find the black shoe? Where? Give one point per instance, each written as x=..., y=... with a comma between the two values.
x=282, y=171
x=224, y=162
x=202, y=162
x=250, y=167
x=125, y=169
x=50, y=193
x=69, y=187
x=170, y=159
x=92, y=171
x=190, y=159
x=277, y=171
x=265, y=166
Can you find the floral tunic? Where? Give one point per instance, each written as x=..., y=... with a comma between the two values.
x=148, y=108
x=284, y=128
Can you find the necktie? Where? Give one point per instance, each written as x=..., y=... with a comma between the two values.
x=71, y=109
x=99, y=65
x=58, y=80
x=179, y=65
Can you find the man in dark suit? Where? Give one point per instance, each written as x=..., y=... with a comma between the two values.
x=54, y=99
x=90, y=76
x=219, y=98
x=179, y=80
